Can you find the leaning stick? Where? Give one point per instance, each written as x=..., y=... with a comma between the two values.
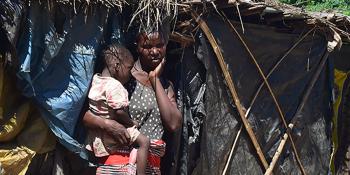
x=231, y=150
x=278, y=152
x=298, y=111
x=278, y=63
x=202, y=24
x=281, y=115
x=256, y=95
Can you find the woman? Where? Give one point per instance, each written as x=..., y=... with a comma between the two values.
x=152, y=104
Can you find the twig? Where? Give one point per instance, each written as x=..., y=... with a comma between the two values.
x=150, y=14
x=240, y=17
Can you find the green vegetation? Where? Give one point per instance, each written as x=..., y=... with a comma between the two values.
x=342, y=6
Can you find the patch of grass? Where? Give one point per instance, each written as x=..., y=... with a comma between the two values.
x=341, y=6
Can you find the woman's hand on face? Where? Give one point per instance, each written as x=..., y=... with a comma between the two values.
x=118, y=132
x=157, y=71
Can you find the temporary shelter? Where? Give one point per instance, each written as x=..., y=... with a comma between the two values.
x=254, y=80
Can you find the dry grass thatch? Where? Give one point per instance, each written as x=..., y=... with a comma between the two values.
x=151, y=14
x=107, y=3
x=333, y=25
x=148, y=14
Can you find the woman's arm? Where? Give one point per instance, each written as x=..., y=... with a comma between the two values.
x=112, y=127
x=170, y=114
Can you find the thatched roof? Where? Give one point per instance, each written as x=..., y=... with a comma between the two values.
x=149, y=14
x=107, y=3
x=334, y=25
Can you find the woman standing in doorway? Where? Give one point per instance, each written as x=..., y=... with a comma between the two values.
x=152, y=105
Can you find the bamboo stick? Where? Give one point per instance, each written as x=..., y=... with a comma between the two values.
x=278, y=63
x=228, y=79
x=298, y=111
x=271, y=93
x=258, y=91
x=231, y=151
x=277, y=154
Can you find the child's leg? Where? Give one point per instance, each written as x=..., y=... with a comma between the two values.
x=142, y=153
x=132, y=156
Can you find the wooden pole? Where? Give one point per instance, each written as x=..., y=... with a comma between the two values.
x=279, y=110
x=257, y=93
x=202, y=24
x=298, y=111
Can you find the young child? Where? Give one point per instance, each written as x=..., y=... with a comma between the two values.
x=109, y=99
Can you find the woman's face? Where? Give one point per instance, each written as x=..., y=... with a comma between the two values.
x=152, y=49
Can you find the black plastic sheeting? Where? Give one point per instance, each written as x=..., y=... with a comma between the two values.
x=191, y=90
x=211, y=121
x=10, y=14
x=342, y=58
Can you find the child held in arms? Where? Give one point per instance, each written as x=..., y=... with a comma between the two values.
x=109, y=99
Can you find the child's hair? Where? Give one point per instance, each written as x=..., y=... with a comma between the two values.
x=111, y=52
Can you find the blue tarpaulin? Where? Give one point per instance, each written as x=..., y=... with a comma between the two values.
x=57, y=51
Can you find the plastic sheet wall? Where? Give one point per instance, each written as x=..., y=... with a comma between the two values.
x=57, y=51
x=221, y=122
